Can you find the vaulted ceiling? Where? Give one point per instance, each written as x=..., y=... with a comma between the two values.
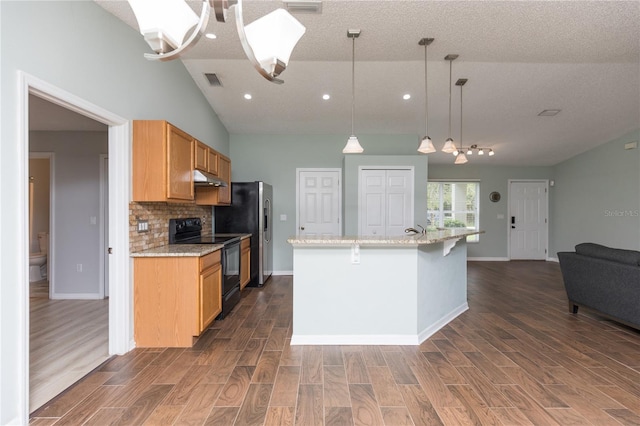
x=520, y=58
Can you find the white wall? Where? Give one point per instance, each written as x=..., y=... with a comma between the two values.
x=77, y=192
x=80, y=48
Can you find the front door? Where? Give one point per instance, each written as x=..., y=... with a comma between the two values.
x=319, y=199
x=528, y=225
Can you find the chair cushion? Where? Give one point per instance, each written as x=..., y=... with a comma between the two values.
x=629, y=257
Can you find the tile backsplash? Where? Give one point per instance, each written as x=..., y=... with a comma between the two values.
x=158, y=215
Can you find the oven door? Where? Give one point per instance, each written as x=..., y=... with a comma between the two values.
x=231, y=267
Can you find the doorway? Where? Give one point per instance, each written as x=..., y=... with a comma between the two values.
x=120, y=336
x=319, y=202
x=528, y=223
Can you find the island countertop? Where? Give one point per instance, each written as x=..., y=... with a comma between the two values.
x=431, y=237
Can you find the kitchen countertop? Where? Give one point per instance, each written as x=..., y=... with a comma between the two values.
x=185, y=250
x=178, y=250
x=431, y=237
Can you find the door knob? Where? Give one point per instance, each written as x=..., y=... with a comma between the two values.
x=302, y=228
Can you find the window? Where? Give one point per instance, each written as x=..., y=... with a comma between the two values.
x=454, y=205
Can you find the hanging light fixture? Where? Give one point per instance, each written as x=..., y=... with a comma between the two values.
x=460, y=157
x=426, y=145
x=267, y=42
x=353, y=145
x=449, y=147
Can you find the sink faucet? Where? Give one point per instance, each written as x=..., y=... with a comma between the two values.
x=415, y=231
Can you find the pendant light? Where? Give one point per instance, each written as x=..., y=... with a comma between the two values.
x=449, y=146
x=353, y=145
x=460, y=157
x=426, y=145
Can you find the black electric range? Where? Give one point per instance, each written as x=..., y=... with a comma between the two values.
x=189, y=231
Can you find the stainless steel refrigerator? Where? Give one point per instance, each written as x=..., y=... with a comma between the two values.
x=250, y=212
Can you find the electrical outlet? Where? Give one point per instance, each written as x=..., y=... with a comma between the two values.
x=143, y=226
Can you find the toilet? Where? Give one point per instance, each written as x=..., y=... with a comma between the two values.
x=38, y=261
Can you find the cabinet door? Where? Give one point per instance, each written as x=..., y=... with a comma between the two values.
x=179, y=164
x=201, y=156
x=224, y=172
x=212, y=164
x=210, y=295
x=245, y=263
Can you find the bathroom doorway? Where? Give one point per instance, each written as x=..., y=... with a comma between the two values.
x=69, y=315
x=40, y=207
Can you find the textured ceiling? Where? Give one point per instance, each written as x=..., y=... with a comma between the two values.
x=520, y=58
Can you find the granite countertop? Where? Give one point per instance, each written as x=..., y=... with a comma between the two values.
x=185, y=250
x=179, y=250
x=431, y=237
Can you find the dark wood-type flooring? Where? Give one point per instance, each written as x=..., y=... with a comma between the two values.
x=515, y=357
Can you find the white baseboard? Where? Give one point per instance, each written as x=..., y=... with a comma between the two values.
x=434, y=328
x=355, y=339
x=488, y=259
x=552, y=259
x=282, y=272
x=379, y=339
x=80, y=296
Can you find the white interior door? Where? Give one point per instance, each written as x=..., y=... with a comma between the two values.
x=319, y=202
x=528, y=225
x=386, y=201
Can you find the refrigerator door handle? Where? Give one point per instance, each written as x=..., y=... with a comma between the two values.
x=267, y=217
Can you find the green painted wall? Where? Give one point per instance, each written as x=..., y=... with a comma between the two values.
x=274, y=159
x=596, y=197
x=494, y=242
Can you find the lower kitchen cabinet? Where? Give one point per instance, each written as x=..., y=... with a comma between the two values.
x=245, y=262
x=175, y=298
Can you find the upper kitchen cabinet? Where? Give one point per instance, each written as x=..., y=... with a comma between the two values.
x=163, y=162
x=218, y=195
x=206, y=159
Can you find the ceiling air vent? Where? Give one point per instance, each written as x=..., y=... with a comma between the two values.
x=304, y=6
x=213, y=79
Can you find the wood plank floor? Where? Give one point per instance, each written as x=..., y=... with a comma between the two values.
x=68, y=339
x=516, y=357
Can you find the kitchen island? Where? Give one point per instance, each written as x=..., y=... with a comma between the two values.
x=377, y=290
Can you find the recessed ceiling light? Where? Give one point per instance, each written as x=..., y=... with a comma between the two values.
x=406, y=96
x=211, y=36
x=549, y=112
x=247, y=96
x=326, y=97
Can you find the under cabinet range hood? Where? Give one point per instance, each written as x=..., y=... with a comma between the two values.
x=207, y=179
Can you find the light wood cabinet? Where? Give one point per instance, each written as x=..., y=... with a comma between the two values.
x=206, y=159
x=210, y=293
x=245, y=262
x=175, y=298
x=221, y=195
x=163, y=162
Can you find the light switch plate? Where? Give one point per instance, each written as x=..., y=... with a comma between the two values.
x=283, y=217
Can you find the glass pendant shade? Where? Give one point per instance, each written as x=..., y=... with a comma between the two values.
x=426, y=146
x=353, y=146
x=272, y=39
x=164, y=23
x=461, y=158
x=491, y=153
x=449, y=147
